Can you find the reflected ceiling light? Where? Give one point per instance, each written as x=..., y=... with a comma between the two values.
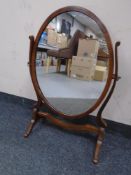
x=58, y=26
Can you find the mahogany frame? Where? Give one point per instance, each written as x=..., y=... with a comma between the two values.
x=102, y=101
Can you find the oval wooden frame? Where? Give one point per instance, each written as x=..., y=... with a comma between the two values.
x=38, y=91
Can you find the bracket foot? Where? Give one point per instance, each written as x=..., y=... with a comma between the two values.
x=98, y=145
x=32, y=123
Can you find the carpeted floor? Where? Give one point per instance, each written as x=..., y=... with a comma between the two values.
x=50, y=151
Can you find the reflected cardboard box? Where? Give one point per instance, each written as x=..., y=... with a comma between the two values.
x=61, y=40
x=88, y=48
x=101, y=73
x=87, y=62
x=51, y=37
x=82, y=73
x=56, y=39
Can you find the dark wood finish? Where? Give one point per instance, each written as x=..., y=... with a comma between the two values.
x=32, y=123
x=115, y=78
x=34, y=119
x=67, y=125
x=105, y=96
x=99, y=142
x=70, y=127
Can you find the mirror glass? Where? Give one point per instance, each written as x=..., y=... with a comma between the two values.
x=72, y=63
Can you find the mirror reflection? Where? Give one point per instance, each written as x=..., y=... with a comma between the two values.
x=72, y=62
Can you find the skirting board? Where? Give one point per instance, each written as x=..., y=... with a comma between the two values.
x=123, y=129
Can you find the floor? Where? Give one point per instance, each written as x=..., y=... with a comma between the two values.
x=71, y=106
x=60, y=89
x=51, y=151
x=65, y=87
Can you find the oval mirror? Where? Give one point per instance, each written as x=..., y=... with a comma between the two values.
x=73, y=61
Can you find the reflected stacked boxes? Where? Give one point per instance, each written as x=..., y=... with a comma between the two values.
x=61, y=40
x=84, y=64
x=51, y=37
x=56, y=39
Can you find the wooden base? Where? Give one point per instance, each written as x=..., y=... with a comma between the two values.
x=99, y=131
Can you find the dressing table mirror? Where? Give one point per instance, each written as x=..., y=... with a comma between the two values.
x=73, y=71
